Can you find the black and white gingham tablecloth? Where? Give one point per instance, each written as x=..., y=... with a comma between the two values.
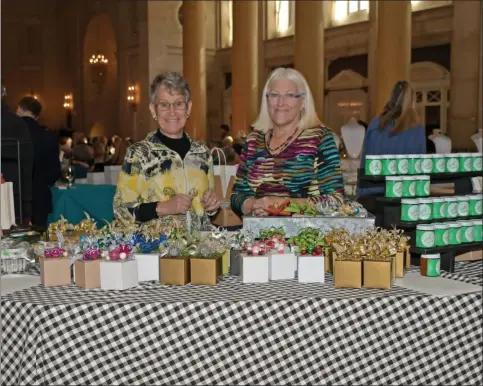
x=277, y=333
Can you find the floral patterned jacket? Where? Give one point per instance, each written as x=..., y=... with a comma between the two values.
x=152, y=172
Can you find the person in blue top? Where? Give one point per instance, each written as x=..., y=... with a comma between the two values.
x=396, y=131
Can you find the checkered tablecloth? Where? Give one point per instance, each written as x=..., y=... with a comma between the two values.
x=276, y=333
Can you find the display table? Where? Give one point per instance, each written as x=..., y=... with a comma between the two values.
x=96, y=200
x=276, y=333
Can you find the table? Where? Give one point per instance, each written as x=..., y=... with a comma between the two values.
x=276, y=333
x=96, y=200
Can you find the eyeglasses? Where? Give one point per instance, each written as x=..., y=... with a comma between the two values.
x=273, y=97
x=165, y=106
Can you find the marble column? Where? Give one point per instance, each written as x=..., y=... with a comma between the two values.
x=465, y=70
x=194, y=65
x=245, y=65
x=309, y=48
x=371, y=62
x=393, y=48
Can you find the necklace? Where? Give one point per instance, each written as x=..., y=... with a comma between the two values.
x=283, y=145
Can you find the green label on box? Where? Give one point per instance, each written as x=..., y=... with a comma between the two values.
x=438, y=165
x=433, y=267
x=452, y=209
x=477, y=164
x=425, y=239
x=427, y=165
x=375, y=167
x=403, y=166
x=452, y=165
x=478, y=208
x=424, y=212
x=467, y=165
x=463, y=208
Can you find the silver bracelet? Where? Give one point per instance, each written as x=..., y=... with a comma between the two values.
x=211, y=214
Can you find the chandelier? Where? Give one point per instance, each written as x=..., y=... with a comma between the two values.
x=99, y=68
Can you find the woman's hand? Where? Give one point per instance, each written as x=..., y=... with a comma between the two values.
x=179, y=204
x=209, y=201
x=261, y=205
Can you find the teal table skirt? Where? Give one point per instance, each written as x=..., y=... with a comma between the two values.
x=96, y=200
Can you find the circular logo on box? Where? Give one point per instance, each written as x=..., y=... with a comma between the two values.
x=453, y=165
x=446, y=237
x=391, y=166
x=427, y=165
x=417, y=166
x=478, y=163
x=469, y=234
x=412, y=188
x=413, y=212
x=427, y=239
x=403, y=166
x=458, y=236
x=397, y=189
x=467, y=165
x=453, y=209
x=440, y=165
x=424, y=212
x=463, y=209
x=442, y=210
x=479, y=207
x=426, y=188
x=375, y=167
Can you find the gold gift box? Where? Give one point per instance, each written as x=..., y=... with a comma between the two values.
x=205, y=271
x=378, y=274
x=408, y=256
x=88, y=273
x=54, y=271
x=329, y=256
x=174, y=270
x=347, y=273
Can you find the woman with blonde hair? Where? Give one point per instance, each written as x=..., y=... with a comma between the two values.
x=290, y=154
x=396, y=131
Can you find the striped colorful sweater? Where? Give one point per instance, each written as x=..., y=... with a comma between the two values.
x=308, y=168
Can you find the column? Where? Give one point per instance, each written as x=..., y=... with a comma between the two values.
x=309, y=48
x=393, y=48
x=194, y=65
x=465, y=69
x=245, y=65
x=371, y=62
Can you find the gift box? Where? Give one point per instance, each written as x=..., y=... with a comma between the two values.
x=408, y=256
x=205, y=270
x=254, y=269
x=348, y=273
x=225, y=262
x=87, y=273
x=329, y=259
x=311, y=269
x=378, y=274
x=119, y=274
x=54, y=271
x=400, y=263
x=174, y=270
x=281, y=266
x=235, y=262
x=148, y=266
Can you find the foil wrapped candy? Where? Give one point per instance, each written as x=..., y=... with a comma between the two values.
x=55, y=252
x=337, y=209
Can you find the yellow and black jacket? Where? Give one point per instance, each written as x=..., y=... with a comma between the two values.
x=153, y=172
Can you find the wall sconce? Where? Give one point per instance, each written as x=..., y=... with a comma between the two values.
x=133, y=95
x=68, y=101
x=99, y=67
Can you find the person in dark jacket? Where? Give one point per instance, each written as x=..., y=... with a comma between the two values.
x=15, y=129
x=46, y=168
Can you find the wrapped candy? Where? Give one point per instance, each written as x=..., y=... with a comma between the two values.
x=55, y=252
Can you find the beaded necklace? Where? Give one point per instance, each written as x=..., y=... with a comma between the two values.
x=283, y=145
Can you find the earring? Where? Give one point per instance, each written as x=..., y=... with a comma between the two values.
x=187, y=116
x=155, y=119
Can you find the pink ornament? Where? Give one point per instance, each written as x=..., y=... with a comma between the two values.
x=56, y=252
x=114, y=254
x=255, y=250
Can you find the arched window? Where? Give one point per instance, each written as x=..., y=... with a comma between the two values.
x=280, y=18
x=344, y=11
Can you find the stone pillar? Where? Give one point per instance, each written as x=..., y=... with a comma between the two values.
x=371, y=62
x=465, y=68
x=480, y=77
x=194, y=64
x=393, y=48
x=309, y=48
x=245, y=65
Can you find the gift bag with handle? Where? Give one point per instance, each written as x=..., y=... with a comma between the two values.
x=224, y=181
x=7, y=210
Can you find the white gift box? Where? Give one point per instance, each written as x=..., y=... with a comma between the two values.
x=254, y=269
x=311, y=269
x=111, y=174
x=282, y=266
x=119, y=274
x=148, y=266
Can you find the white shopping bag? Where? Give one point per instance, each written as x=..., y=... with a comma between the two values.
x=7, y=209
x=226, y=172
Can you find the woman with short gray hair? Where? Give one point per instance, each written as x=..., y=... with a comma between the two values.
x=168, y=175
